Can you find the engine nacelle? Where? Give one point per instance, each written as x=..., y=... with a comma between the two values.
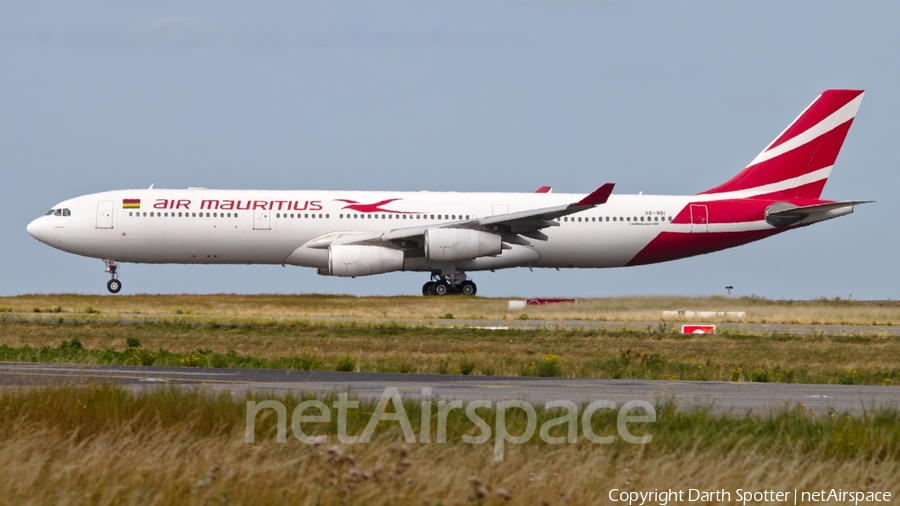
x=449, y=244
x=351, y=260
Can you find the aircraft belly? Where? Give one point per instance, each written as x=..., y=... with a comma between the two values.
x=204, y=247
x=575, y=248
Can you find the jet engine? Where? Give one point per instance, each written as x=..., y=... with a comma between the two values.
x=449, y=244
x=351, y=260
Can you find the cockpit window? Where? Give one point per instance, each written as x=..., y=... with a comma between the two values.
x=66, y=212
x=58, y=212
x=50, y=212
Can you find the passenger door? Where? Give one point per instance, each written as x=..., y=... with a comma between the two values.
x=699, y=218
x=261, y=219
x=105, y=214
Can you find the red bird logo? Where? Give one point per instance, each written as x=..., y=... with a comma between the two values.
x=371, y=208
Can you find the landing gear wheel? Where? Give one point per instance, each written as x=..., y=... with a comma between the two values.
x=114, y=285
x=467, y=288
x=441, y=288
x=428, y=288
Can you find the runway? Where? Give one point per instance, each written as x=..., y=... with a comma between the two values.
x=722, y=396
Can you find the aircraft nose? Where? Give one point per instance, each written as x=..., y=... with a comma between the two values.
x=34, y=228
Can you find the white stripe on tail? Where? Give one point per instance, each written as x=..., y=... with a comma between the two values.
x=798, y=162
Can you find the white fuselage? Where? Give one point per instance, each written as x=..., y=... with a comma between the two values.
x=267, y=227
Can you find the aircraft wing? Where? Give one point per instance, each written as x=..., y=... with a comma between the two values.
x=511, y=226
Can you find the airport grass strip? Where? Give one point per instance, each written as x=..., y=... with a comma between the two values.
x=310, y=306
x=101, y=444
x=655, y=353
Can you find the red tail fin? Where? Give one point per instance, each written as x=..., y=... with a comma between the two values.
x=798, y=162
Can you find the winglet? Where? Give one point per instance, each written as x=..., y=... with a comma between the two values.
x=544, y=189
x=599, y=196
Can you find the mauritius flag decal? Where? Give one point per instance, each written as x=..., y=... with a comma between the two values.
x=131, y=203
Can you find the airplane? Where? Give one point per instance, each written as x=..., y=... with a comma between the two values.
x=450, y=234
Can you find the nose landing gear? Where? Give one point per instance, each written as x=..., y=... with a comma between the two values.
x=457, y=283
x=113, y=285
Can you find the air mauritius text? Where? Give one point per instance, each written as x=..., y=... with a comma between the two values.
x=242, y=205
x=317, y=412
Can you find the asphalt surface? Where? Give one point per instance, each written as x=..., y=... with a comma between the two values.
x=721, y=396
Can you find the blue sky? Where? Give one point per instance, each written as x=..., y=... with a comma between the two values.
x=659, y=97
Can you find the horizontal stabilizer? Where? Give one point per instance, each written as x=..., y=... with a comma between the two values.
x=783, y=214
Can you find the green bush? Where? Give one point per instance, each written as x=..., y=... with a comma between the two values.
x=346, y=364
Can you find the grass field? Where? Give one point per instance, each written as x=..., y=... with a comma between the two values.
x=653, y=354
x=102, y=445
x=291, y=307
x=281, y=332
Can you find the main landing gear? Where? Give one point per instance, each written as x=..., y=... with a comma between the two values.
x=113, y=285
x=447, y=285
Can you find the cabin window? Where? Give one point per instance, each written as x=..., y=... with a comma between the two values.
x=326, y=216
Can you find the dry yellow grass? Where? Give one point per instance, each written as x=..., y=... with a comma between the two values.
x=167, y=467
x=105, y=447
x=626, y=309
